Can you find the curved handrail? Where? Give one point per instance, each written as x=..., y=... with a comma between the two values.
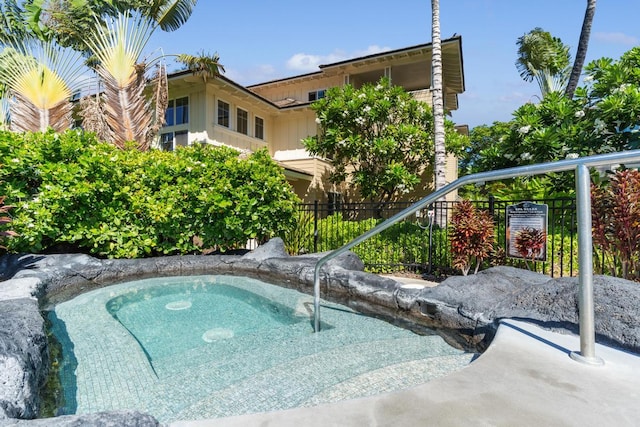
x=583, y=203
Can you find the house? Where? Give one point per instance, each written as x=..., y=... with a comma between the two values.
x=276, y=115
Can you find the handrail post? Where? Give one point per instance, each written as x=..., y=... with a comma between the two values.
x=586, y=311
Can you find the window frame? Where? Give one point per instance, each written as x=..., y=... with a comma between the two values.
x=221, y=118
x=315, y=95
x=258, y=123
x=175, y=114
x=242, y=121
x=169, y=140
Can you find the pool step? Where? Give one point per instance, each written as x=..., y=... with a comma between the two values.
x=338, y=373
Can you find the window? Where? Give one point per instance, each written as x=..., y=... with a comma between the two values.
x=182, y=111
x=243, y=121
x=181, y=138
x=177, y=112
x=170, y=140
x=259, y=128
x=223, y=113
x=166, y=141
x=316, y=94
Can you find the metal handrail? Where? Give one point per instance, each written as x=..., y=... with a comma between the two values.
x=583, y=201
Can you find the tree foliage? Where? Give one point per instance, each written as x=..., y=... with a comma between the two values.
x=378, y=137
x=70, y=189
x=603, y=117
x=68, y=22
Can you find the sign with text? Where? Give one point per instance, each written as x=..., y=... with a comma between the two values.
x=527, y=231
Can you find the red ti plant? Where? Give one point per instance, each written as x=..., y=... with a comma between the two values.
x=615, y=213
x=5, y=219
x=530, y=243
x=471, y=236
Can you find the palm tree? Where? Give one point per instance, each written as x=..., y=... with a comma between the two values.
x=39, y=77
x=581, y=53
x=543, y=58
x=118, y=47
x=437, y=97
x=205, y=65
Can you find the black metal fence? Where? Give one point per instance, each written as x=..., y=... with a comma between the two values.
x=420, y=243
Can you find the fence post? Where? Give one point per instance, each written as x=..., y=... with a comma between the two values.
x=315, y=226
x=492, y=205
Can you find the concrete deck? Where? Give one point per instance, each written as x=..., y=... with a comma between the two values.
x=525, y=378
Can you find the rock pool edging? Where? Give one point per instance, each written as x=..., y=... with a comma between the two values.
x=465, y=309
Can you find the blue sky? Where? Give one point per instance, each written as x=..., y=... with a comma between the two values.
x=263, y=40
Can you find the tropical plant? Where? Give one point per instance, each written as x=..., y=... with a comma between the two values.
x=581, y=53
x=616, y=222
x=39, y=77
x=298, y=240
x=378, y=137
x=106, y=31
x=471, y=234
x=545, y=59
x=127, y=112
x=205, y=65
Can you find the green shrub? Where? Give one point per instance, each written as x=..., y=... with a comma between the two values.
x=72, y=189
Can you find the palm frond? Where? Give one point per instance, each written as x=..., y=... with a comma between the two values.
x=160, y=98
x=27, y=117
x=119, y=45
x=91, y=109
x=552, y=82
x=205, y=65
x=127, y=110
x=172, y=14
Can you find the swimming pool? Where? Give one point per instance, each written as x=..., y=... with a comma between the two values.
x=213, y=346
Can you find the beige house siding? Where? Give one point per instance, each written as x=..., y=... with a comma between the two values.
x=291, y=127
x=297, y=88
x=284, y=107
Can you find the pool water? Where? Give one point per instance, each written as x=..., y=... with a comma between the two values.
x=214, y=346
x=169, y=320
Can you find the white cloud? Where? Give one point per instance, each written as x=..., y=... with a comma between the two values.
x=616, y=38
x=260, y=73
x=304, y=62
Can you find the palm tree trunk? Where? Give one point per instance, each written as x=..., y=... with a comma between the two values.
x=581, y=53
x=437, y=97
x=440, y=161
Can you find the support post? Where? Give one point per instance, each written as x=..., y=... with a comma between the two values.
x=585, y=275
